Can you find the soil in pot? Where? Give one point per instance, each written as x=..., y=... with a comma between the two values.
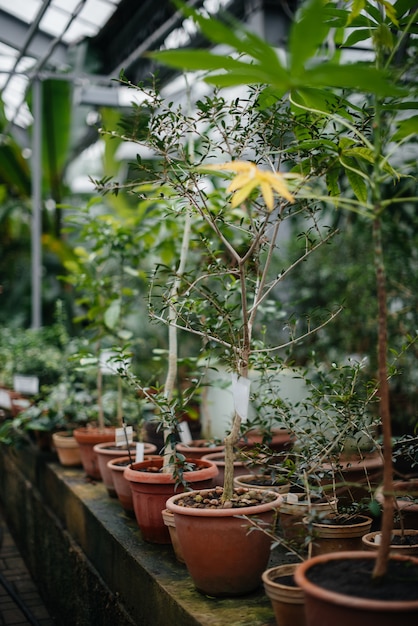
x=339, y=590
x=402, y=542
x=286, y=597
x=223, y=558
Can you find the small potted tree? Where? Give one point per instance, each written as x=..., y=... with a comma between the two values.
x=359, y=152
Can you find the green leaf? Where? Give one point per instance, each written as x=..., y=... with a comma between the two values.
x=306, y=35
x=321, y=100
x=357, y=183
x=364, y=78
x=406, y=128
x=194, y=59
x=331, y=179
x=112, y=314
x=361, y=34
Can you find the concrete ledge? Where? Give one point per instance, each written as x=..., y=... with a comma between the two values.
x=90, y=562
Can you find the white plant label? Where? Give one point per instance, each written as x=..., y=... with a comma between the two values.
x=184, y=432
x=26, y=384
x=378, y=539
x=5, y=401
x=292, y=498
x=139, y=455
x=241, y=394
x=123, y=436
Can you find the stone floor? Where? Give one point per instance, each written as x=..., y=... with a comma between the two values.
x=20, y=602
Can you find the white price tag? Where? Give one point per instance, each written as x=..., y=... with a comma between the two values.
x=139, y=456
x=184, y=432
x=124, y=436
x=241, y=394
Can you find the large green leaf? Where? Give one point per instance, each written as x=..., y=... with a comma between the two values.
x=307, y=34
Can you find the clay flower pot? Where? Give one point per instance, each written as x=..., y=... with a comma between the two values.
x=218, y=458
x=87, y=438
x=295, y=507
x=287, y=599
x=122, y=486
x=410, y=548
x=67, y=448
x=261, y=481
x=107, y=451
x=332, y=536
x=281, y=440
x=222, y=557
x=198, y=448
x=329, y=603
x=406, y=495
x=168, y=517
x=151, y=489
x=356, y=476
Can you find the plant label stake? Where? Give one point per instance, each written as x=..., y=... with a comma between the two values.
x=139, y=456
x=184, y=432
x=241, y=394
x=124, y=436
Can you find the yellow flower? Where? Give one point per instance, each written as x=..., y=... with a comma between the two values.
x=249, y=176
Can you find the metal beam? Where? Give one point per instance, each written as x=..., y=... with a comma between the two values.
x=37, y=205
x=14, y=33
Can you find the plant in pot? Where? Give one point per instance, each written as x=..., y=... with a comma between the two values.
x=361, y=101
x=225, y=297
x=103, y=276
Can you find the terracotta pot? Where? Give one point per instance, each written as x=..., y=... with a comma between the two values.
x=198, y=448
x=287, y=600
x=67, y=448
x=218, y=458
x=337, y=537
x=87, y=439
x=168, y=517
x=356, y=476
x=324, y=607
x=254, y=481
x=122, y=486
x=406, y=494
x=150, y=491
x=291, y=514
x=369, y=543
x=107, y=451
x=281, y=440
x=221, y=556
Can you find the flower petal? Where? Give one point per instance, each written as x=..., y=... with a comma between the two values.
x=267, y=195
x=243, y=193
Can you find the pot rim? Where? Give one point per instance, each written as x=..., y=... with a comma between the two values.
x=341, y=599
x=134, y=474
x=172, y=505
x=366, y=520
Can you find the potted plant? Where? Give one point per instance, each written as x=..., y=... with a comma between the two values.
x=245, y=235
x=315, y=90
x=99, y=272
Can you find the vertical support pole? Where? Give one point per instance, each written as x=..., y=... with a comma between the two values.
x=36, y=235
